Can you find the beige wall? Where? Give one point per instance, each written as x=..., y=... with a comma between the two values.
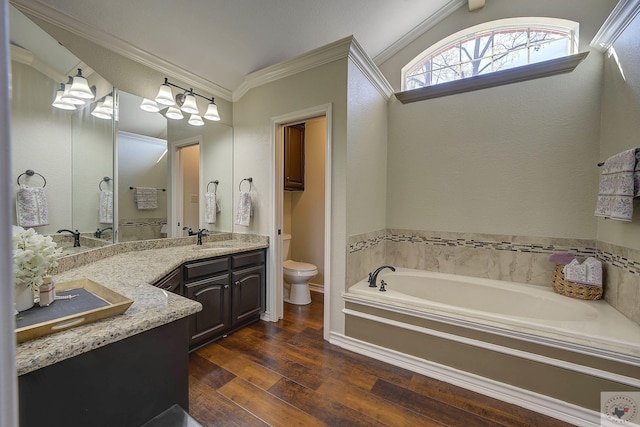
x=621, y=123
x=517, y=159
x=307, y=207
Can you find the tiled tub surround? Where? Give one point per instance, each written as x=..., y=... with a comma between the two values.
x=501, y=257
x=127, y=268
x=140, y=228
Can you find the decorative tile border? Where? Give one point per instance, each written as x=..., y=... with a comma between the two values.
x=630, y=266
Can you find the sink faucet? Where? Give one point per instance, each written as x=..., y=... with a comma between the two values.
x=202, y=232
x=189, y=230
x=98, y=232
x=373, y=276
x=75, y=234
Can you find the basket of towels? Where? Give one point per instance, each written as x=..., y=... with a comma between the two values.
x=574, y=279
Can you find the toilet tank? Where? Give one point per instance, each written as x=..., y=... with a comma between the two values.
x=286, y=247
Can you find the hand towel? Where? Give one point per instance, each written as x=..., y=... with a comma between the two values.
x=105, y=210
x=619, y=184
x=31, y=206
x=146, y=198
x=587, y=273
x=243, y=214
x=562, y=258
x=210, y=208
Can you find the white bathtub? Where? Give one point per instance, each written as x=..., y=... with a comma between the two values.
x=530, y=309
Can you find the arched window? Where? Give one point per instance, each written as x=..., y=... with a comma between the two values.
x=489, y=47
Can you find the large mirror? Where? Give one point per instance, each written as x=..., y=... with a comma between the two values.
x=166, y=170
x=61, y=153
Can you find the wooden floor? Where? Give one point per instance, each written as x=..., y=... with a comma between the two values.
x=285, y=374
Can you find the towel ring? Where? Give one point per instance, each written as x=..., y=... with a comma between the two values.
x=30, y=172
x=105, y=179
x=216, y=182
x=250, y=184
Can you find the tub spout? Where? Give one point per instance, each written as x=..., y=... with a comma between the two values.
x=374, y=275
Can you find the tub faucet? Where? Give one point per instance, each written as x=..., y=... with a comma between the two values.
x=373, y=276
x=98, y=232
x=202, y=232
x=75, y=234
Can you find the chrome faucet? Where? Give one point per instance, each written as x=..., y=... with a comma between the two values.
x=75, y=234
x=373, y=276
x=201, y=232
x=98, y=232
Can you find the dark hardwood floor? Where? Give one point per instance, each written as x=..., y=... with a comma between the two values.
x=285, y=374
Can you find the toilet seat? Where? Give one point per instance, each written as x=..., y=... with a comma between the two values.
x=294, y=266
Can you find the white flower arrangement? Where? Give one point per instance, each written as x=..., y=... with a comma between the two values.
x=33, y=256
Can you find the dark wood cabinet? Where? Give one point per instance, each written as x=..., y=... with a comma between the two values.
x=231, y=289
x=294, y=158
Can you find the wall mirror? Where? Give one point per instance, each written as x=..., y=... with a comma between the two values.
x=70, y=152
x=165, y=168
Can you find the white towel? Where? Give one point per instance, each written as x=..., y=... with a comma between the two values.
x=105, y=210
x=619, y=184
x=31, y=206
x=243, y=215
x=587, y=273
x=146, y=198
x=210, y=208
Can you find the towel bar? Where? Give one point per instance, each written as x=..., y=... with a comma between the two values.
x=159, y=189
x=30, y=172
x=216, y=182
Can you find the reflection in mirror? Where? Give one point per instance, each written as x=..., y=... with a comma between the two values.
x=150, y=147
x=71, y=149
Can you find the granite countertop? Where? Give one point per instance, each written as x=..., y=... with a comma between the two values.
x=128, y=269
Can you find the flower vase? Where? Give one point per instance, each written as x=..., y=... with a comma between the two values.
x=23, y=297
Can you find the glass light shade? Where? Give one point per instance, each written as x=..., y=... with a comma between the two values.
x=212, y=112
x=174, y=113
x=61, y=103
x=80, y=87
x=196, y=120
x=100, y=112
x=149, y=105
x=67, y=97
x=165, y=96
x=107, y=105
x=189, y=105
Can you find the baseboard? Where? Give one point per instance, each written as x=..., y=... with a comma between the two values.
x=542, y=404
x=313, y=287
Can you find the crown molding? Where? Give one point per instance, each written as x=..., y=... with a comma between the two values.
x=37, y=9
x=417, y=31
x=621, y=16
x=25, y=56
x=347, y=47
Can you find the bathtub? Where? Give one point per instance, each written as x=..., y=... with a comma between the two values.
x=531, y=310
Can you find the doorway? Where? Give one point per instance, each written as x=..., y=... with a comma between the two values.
x=306, y=215
x=186, y=187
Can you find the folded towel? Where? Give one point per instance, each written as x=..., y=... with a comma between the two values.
x=105, y=209
x=146, y=198
x=31, y=206
x=210, y=207
x=587, y=273
x=619, y=184
x=562, y=258
x=243, y=214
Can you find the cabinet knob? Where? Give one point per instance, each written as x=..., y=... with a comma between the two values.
x=238, y=283
x=226, y=286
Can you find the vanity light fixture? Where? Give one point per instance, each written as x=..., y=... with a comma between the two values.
x=80, y=87
x=184, y=101
x=149, y=105
x=61, y=103
x=67, y=97
x=104, y=108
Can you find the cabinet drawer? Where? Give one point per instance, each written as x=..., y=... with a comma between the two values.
x=205, y=268
x=247, y=259
x=172, y=282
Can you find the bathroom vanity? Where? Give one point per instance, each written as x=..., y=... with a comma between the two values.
x=126, y=369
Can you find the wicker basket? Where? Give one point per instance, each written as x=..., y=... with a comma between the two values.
x=572, y=289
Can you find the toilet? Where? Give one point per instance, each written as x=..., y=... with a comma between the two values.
x=296, y=276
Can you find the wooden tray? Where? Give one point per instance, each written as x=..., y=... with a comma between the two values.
x=94, y=302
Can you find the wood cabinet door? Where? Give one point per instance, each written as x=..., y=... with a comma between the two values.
x=214, y=295
x=247, y=294
x=294, y=157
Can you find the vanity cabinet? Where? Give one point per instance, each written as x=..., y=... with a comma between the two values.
x=248, y=296
x=213, y=293
x=294, y=158
x=172, y=282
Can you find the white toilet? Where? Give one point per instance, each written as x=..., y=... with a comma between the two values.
x=296, y=276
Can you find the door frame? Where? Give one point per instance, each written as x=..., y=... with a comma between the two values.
x=275, y=303
x=176, y=189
